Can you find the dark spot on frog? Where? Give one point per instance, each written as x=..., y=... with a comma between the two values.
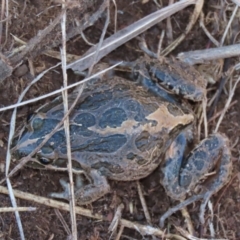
x=199, y=164
x=185, y=179
x=132, y=106
x=101, y=145
x=104, y=167
x=172, y=166
x=140, y=117
x=37, y=123
x=144, y=141
x=85, y=120
x=132, y=156
x=150, y=108
x=141, y=161
x=174, y=110
x=95, y=101
x=199, y=158
x=113, y=118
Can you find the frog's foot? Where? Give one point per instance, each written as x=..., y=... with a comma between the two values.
x=85, y=194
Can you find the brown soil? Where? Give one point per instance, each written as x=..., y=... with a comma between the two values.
x=25, y=23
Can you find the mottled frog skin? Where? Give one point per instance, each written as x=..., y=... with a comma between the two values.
x=124, y=129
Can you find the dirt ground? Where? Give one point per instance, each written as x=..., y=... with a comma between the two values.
x=26, y=19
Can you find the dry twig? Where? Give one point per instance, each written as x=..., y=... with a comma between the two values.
x=143, y=229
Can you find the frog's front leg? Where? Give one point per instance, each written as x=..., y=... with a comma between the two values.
x=178, y=77
x=85, y=194
x=181, y=176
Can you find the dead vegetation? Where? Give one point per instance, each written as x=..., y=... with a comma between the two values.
x=35, y=36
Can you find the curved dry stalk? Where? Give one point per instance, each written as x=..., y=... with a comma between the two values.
x=228, y=25
x=202, y=25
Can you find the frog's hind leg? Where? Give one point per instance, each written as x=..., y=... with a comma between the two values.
x=85, y=194
x=224, y=168
x=210, y=152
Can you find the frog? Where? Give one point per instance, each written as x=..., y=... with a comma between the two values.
x=123, y=129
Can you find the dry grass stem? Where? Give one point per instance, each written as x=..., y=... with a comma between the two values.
x=24, y=160
x=237, y=2
x=37, y=39
x=201, y=56
x=62, y=220
x=226, y=106
x=143, y=202
x=85, y=39
x=99, y=45
x=1, y=18
x=66, y=126
x=116, y=219
x=210, y=220
x=50, y=203
x=8, y=155
x=119, y=234
x=124, y=35
x=220, y=112
x=204, y=112
x=115, y=16
x=193, y=19
x=202, y=25
x=56, y=91
x=19, y=209
x=160, y=44
x=228, y=25
x=169, y=31
x=186, y=234
x=143, y=229
x=188, y=220
x=4, y=13
x=14, y=204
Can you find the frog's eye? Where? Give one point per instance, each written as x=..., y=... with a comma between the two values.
x=44, y=161
x=37, y=123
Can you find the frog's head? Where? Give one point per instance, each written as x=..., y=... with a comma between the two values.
x=35, y=131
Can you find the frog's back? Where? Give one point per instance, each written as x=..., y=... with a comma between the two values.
x=117, y=127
